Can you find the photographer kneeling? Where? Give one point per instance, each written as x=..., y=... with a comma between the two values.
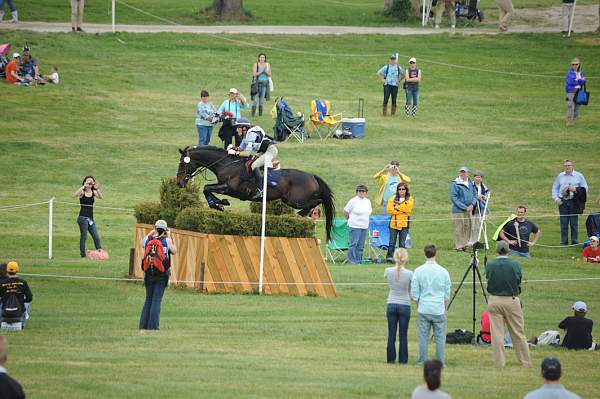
x=158, y=248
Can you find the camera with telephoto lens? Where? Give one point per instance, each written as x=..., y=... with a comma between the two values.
x=160, y=231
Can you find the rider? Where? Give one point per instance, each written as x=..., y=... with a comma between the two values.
x=256, y=140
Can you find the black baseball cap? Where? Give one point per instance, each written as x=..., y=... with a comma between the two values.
x=362, y=187
x=551, y=368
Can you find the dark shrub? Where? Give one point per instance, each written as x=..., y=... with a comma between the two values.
x=173, y=199
x=401, y=10
x=277, y=207
x=147, y=212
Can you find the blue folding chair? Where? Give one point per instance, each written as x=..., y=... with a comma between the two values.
x=379, y=236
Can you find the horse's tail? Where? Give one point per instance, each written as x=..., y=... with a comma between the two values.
x=326, y=195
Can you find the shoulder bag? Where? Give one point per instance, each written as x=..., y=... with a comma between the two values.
x=582, y=96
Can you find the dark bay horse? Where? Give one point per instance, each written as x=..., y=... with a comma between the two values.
x=298, y=189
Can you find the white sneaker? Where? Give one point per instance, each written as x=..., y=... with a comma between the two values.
x=437, y=26
x=453, y=27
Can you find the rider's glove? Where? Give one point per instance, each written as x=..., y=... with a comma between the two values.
x=231, y=151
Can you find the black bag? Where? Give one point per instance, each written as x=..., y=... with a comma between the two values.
x=460, y=336
x=253, y=87
x=12, y=310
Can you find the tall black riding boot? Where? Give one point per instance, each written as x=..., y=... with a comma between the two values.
x=260, y=110
x=258, y=182
x=253, y=110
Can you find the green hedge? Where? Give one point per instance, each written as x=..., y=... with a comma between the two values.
x=401, y=10
x=181, y=208
x=277, y=207
x=243, y=224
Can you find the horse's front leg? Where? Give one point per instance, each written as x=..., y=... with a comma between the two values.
x=211, y=199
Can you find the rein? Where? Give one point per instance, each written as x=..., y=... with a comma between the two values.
x=202, y=169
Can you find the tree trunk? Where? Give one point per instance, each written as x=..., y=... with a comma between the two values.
x=228, y=9
x=387, y=5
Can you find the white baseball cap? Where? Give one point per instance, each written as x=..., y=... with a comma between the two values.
x=580, y=306
x=160, y=224
x=16, y=55
x=233, y=90
x=412, y=59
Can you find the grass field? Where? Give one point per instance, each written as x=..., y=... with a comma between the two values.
x=264, y=12
x=124, y=106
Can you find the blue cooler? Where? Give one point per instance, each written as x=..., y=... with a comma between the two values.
x=355, y=125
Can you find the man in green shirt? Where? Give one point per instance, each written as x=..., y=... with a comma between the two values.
x=504, y=306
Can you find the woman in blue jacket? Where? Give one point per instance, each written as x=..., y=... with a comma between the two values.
x=574, y=80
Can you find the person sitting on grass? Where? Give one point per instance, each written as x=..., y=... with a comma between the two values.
x=12, y=70
x=15, y=295
x=591, y=253
x=53, y=77
x=552, y=388
x=578, y=328
x=432, y=374
x=9, y=387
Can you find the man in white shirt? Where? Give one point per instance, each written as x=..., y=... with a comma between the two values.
x=357, y=211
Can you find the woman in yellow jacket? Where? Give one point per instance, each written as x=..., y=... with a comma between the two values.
x=399, y=207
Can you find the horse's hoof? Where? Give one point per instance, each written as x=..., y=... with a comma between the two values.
x=225, y=202
x=220, y=207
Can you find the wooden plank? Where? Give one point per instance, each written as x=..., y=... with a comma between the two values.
x=295, y=267
x=214, y=260
x=284, y=267
x=273, y=271
x=321, y=267
x=307, y=266
x=240, y=260
x=250, y=271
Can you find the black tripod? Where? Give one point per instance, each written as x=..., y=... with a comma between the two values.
x=474, y=267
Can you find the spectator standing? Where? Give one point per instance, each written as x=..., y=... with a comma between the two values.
x=450, y=7
x=504, y=306
x=398, y=306
x=574, y=80
x=261, y=72
x=156, y=283
x=482, y=197
x=516, y=233
x=566, y=192
x=231, y=110
x=552, y=388
x=390, y=75
x=432, y=374
x=387, y=179
x=430, y=287
x=15, y=286
x=205, y=118
x=87, y=194
x=357, y=211
x=9, y=387
x=13, y=11
x=399, y=207
x=567, y=11
x=591, y=253
x=77, y=7
x=578, y=328
x=463, y=197
x=506, y=10
x=412, y=80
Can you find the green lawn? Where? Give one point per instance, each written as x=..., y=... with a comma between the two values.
x=124, y=106
x=265, y=12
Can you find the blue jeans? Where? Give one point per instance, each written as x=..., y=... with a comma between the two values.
x=400, y=235
x=10, y=5
x=512, y=252
x=568, y=208
x=87, y=225
x=389, y=90
x=204, y=134
x=424, y=323
x=398, y=317
x=356, y=244
x=155, y=288
x=412, y=93
x=259, y=97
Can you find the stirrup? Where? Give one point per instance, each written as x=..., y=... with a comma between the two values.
x=258, y=194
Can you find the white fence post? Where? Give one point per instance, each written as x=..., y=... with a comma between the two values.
x=262, y=230
x=50, y=216
x=113, y=15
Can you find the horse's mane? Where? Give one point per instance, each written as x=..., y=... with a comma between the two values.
x=204, y=148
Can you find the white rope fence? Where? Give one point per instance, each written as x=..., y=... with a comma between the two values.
x=130, y=279
x=53, y=201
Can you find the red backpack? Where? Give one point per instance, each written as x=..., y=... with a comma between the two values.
x=155, y=261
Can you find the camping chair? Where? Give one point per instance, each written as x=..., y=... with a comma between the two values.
x=286, y=123
x=321, y=119
x=338, y=244
x=379, y=236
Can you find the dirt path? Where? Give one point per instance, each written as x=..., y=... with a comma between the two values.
x=535, y=20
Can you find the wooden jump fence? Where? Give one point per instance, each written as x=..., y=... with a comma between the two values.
x=212, y=263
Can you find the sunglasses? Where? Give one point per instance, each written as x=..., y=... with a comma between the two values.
x=402, y=188
x=574, y=64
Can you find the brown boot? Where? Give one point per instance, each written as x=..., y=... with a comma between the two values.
x=384, y=109
x=393, y=109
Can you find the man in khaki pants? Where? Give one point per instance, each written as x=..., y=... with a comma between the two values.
x=504, y=306
x=506, y=10
x=450, y=7
x=77, y=15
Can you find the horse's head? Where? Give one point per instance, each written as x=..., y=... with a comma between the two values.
x=187, y=167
